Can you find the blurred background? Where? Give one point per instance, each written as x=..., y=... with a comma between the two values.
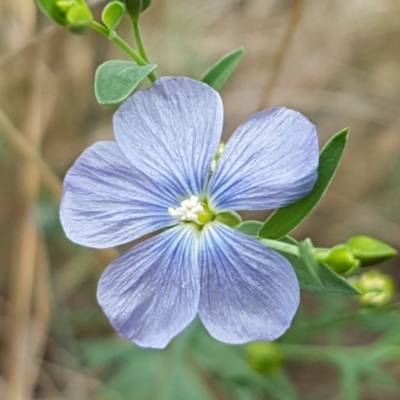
x=336, y=61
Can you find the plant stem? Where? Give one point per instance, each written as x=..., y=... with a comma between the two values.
x=138, y=39
x=282, y=247
x=123, y=46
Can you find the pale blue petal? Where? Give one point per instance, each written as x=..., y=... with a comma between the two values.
x=108, y=202
x=248, y=291
x=171, y=132
x=270, y=161
x=151, y=293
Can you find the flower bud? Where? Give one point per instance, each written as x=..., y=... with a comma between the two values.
x=136, y=7
x=264, y=357
x=79, y=18
x=340, y=259
x=376, y=289
x=74, y=15
x=370, y=251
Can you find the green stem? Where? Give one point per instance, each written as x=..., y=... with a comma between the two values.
x=138, y=39
x=300, y=352
x=281, y=247
x=123, y=46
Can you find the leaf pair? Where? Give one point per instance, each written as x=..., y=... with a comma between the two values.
x=116, y=80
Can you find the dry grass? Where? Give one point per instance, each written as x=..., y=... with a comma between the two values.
x=336, y=61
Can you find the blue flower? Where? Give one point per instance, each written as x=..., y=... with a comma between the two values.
x=156, y=176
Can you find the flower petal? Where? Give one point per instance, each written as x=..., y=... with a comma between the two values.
x=171, y=131
x=269, y=162
x=151, y=293
x=248, y=292
x=108, y=202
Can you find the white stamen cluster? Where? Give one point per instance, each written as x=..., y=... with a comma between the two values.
x=189, y=209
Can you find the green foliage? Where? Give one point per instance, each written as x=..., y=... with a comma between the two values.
x=230, y=218
x=116, y=80
x=112, y=14
x=250, y=227
x=285, y=219
x=218, y=74
x=314, y=276
x=50, y=8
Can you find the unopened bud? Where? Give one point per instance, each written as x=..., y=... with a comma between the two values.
x=370, y=251
x=217, y=156
x=264, y=357
x=340, y=259
x=79, y=18
x=74, y=15
x=136, y=7
x=376, y=289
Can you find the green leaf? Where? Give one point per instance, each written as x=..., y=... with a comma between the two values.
x=314, y=276
x=229, y=218
x=285, y=219
x=116, y=80
x=218, y=74
x=112, y=14
x=49, y=7
x=250, y=227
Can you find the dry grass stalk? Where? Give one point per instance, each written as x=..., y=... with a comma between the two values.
x=21, y=345
x=279, y=61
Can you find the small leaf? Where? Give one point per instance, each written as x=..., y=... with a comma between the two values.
x=112, y=14
x=218, y=74
x=314, y=276
x=250, y=227
x=116, y=80
x=229, y=218
x=285, y=219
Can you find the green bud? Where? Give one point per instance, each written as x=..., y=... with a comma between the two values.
x=264, y=357
x=79, y=17
x=376, y=289
x=112, y=14
x=370, y=251
x=74, y=15
x=65, y=5
x=136, y=7
x=340, y=259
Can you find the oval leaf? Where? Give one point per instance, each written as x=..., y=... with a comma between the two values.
x=250, y=227
x=116, y=80
x=112, y=14
x=229, y=218
x=217, y=75
x=285, y=219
